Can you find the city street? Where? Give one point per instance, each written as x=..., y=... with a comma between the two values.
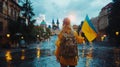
x=42, y=55
x=29, y=30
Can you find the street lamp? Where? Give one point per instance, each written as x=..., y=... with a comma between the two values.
x=104, y=35
x=38, y=36
x=102, y=38
x=8, y=35
x=117, y=33
x=22, y=37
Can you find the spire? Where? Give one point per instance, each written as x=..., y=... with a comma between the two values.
x=53, y=22
x=49, y=26
x=57, y=21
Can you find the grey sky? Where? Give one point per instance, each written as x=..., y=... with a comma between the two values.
x=76, y=9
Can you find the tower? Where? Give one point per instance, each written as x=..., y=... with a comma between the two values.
x=43, y=24
x=57, y=23
x=53, y=23
x=49, y=26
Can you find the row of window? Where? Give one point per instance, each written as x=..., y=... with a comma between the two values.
x=8, y=10
x=1, y=7
x=1, y=26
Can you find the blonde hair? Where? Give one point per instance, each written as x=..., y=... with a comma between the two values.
x=67, y=28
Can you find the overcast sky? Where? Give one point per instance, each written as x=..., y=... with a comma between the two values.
x=74, y=9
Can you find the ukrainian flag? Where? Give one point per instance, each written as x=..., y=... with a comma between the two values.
x=88, y=29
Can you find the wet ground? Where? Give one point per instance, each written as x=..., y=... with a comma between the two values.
x=42, y=55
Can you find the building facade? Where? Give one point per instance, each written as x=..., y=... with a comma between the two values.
x=101, y=22
x=103, y=17
x=43, y=24
x=9, y=11
x=55, y=27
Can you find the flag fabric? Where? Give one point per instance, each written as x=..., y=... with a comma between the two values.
x=88, y=29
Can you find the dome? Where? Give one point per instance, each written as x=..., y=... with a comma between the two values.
x=43, y=23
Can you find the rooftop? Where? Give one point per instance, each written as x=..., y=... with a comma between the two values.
x=43, y=23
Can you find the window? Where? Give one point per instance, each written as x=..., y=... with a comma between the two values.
x=109, y=10
x=1, y=6
x=5, y=8
x=9, y=10
x=15, y=15
x=1, y=26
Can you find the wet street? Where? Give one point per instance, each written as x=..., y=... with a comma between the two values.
x=42, y=55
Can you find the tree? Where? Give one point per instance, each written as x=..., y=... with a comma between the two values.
x=41, y=34
x=114, y=19
x=27, y=13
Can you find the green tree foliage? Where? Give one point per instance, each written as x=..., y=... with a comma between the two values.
x=42, y=34
x=27, y=29
x=27, y=10
x=16, y=28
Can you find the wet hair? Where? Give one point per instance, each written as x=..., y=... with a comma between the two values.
x=66, y=21
x=66, y=25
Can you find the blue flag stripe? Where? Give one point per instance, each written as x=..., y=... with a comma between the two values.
x=90, y=23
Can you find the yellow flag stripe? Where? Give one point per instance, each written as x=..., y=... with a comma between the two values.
x=88, y=31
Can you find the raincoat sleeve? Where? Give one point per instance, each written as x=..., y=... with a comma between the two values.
x=57, y=43
x=58, y=40
x=79, y=38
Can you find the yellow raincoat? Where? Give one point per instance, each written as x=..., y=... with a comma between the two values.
x=71, y=61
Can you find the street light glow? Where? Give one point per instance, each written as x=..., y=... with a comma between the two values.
x=38, y=35
x=117, y=33
x=22, y=37
x=8, y=56
x=38, y=52
x=8, y=35
x=104, y=35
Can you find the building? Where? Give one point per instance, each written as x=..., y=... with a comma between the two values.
x=55, y=27
x=75, y=27
x=101, y=21
x=9, y=11
x=103, y=17
x=43, y=24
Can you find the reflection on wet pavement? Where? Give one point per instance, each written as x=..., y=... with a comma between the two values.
x=91, y=55
x=38, y=52
x=23, y=55
x=8, y=56
x=117, y=57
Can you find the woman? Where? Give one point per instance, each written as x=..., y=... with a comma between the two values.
x=71, y=62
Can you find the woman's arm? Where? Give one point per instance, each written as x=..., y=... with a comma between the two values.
x=79, y=38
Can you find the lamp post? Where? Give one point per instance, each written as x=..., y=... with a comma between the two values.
x=8, y=39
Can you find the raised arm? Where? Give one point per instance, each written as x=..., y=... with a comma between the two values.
x=79, y=38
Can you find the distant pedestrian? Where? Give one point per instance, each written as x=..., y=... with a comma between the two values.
x=67, y=50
